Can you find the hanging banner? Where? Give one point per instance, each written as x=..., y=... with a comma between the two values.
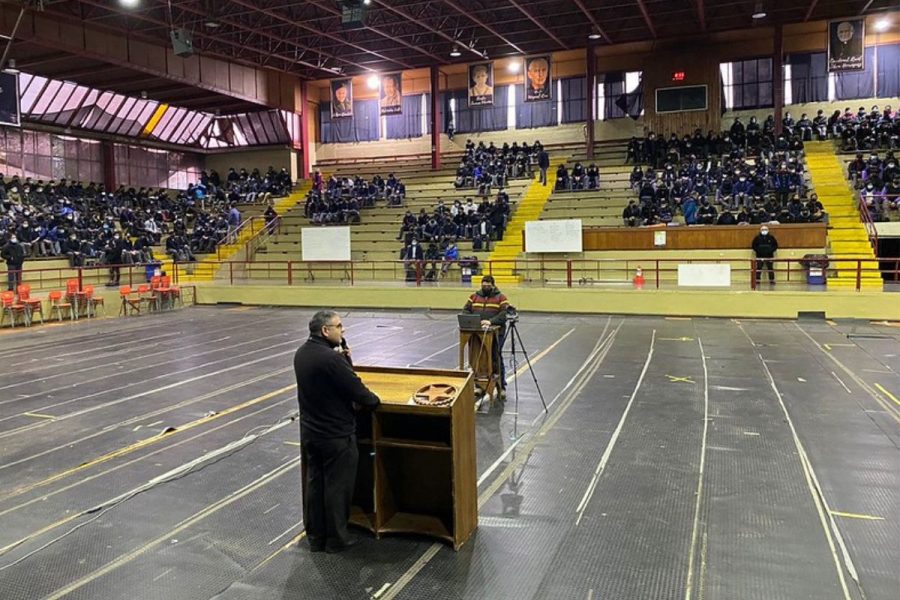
x=846, y=48
x=538, y=82
x=9, y=99
x=391, y=94
x=481, y=84
x=341, y=98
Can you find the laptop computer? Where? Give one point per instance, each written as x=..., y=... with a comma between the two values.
x=469, y=322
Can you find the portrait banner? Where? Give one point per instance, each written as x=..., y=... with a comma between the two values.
x=9, y=99
x=341, y=98
x=538, y=81
x=846, y=47
x=481, y=84
x=391, y=97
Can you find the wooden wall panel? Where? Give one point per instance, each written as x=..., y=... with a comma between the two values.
x=699, y=238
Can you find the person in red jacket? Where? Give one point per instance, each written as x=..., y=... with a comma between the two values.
x=492, y=305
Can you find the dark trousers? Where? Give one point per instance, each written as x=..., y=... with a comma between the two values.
x=330, y=479
x=764, y=263
x=13, y=277
x=544, y=175
x=497, y=350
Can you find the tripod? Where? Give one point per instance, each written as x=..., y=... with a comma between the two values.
x=513, y=334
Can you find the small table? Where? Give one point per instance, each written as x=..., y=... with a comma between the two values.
x=481, y=356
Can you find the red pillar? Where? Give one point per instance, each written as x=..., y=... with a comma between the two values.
x=591, y=98
x=304, y=130
x=778, y=78
x=109, y=166
x=436, y=119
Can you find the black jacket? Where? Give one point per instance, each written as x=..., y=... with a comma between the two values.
x=13, y=254
x=327, y=388
x=765, y=246
x=543, y=159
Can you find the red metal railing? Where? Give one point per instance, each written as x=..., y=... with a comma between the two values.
x=659, y=273
x=869, y=224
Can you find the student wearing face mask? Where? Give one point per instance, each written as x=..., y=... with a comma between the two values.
x=764, y=247
x=492, y=305
x=14, y=255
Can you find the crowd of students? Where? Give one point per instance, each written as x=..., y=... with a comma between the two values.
x=484, y=167
x=88, y=225
x=339, y=200
x=878, y=180
x=743, y=175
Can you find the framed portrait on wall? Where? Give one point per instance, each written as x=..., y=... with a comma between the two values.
x=481, y=84
x=9, y=100
x=538, y=80
x=391, y=97
x=846, y=45
x=341, y=98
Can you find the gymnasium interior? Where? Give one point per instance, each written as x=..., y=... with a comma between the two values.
x=690, y=208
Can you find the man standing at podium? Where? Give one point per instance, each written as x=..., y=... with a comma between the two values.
x=327, y=389
x=491, y=304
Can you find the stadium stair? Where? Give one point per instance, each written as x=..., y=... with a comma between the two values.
x=847, y=236
x=507, y=250
x=207, y=268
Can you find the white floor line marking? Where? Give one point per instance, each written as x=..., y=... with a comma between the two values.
x=433, y=354
x=689, y=586
x=843, y=385
x=604, y=459
x=832, y=533
x=286, y=531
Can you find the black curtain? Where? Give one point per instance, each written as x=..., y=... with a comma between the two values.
x=534, y=114
x=409, y=123
x=574, y=93
x=889, y=71
x=857, y=84
x=481, y=118
x=363, y=126
x=809, y=77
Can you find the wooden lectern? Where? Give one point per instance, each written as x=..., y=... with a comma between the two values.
x=481, y=356
x=416, y=470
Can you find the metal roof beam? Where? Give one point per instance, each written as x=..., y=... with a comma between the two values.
x=812, y=7
x=271, y=13
x=701, y=14
x=647, y=19
x=594, y=23
x=384, y=34
x=425, y=25
x=539, y=24
x=482, y=24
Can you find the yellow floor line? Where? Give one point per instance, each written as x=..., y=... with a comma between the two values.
x=848, y=515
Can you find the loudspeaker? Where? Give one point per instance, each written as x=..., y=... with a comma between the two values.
x=182, y=43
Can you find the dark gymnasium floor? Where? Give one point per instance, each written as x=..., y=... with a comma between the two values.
x=704, y=458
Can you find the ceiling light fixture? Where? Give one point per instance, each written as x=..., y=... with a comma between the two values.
x=211, y=24
x=514, y=66
x=455, y=53
x=758, y=11
x=594, y=36
x=367, y=2
x=130, y=3
x=11, y=66
x=882, y=25
x=373, y=82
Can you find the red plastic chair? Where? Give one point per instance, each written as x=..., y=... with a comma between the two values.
x=58, y=304
x=32, y=305
x=93, y=301
x=174, y=290
x=74, y=295
x=12, y=307
x=125, y=293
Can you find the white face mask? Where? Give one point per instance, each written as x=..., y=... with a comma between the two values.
x=764, y=231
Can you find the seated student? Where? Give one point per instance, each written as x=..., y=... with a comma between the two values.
x=689, y=209
x=593, y=177
x=562, y=178
x=578, y=177
x=804, y=128
x=706, y=214
x=636, y=177
x=726, y=218
x=632, y=214
x=664, y=212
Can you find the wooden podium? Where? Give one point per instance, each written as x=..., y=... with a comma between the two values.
x=417, y=470
x=481, y=356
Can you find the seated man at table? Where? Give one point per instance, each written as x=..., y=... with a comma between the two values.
x=492, y=305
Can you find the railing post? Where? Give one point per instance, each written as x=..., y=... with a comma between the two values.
x=657, y=273
x=231, y=273
x=858, y=275
x=80, y=278
x=290, y=272
x=752, y=274
x=351, y=273
x=568, y=272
